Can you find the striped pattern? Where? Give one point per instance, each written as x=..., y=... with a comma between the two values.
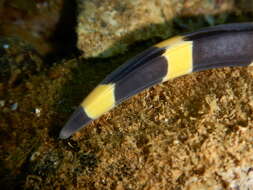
x=219, y=46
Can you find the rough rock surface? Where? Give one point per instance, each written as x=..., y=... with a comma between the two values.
x=106, y=28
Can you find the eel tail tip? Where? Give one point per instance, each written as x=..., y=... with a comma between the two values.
x=77, y=120
x=64, y=135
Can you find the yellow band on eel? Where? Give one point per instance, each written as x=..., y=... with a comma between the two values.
x=99, y=101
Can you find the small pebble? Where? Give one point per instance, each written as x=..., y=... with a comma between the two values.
x=2, y=103
x=37, y=111
x=14, y=106
x=6, y=46
x=34, y=156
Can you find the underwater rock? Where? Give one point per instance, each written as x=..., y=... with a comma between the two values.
x=106, y=28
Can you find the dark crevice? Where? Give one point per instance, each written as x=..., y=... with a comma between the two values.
x=64, y=39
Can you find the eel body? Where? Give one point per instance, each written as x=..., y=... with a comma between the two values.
x=218, y=46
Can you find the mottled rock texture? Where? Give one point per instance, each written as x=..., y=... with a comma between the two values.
x=106, y=28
